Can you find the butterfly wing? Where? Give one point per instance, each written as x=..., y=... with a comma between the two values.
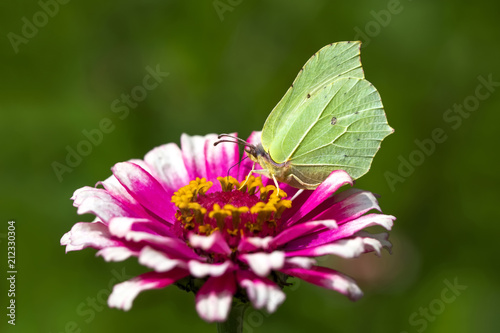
x=331, y=63
x=331, y=118
x=346, y=126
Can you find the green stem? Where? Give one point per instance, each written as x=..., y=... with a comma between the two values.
x=234, y=322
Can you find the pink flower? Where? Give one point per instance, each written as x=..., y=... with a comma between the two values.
x=186, y=217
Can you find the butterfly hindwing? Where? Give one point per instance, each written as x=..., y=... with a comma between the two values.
x=350, y=141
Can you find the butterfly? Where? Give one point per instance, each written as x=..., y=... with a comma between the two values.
x=331, y=118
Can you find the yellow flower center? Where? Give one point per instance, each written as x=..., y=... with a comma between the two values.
x=246, y=209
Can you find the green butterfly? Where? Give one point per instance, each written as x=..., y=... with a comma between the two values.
x=330, y=118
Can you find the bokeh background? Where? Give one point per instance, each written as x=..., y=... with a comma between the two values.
x=228, y=63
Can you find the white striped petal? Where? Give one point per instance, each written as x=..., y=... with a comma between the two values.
x=263, y=263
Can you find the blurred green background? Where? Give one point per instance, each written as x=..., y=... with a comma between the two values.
x=228, y=64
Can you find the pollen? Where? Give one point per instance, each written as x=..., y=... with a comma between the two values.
x=237, y=209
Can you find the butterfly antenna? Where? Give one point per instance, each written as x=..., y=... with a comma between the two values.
x=227, y=176
x=236, y=140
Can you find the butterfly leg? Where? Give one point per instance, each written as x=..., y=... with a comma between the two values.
x=248, y=176
x=297, y=194
x=262, y=172
x=298, y=183
x=269, y=175
x=277, y=185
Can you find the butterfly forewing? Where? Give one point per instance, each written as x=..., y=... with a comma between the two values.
x=333, y=62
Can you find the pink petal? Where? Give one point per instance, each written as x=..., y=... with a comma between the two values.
x=145, y=189
x=116, y=253
x=220, y=158
x=298, y=201
x=124, y=293
x=326, y=204
x=193, y=154
x=87, y=234
x=375, y=242
x=168, y=164
x=345, y=230
x=263, y=263
x=346, y=248
x=328, y=278
x=143, y=165
x=262, y=292
x=121, y=227
x=299, y=230
x=199, y=269
x=98, y=202
x=158, y=260
x=299, y=262
x=350, y=208
x=113, y=187
x=213, y=300
x=83, y=193
x=336, y=179
x=338, y=197
x=124, y=225
x=249, y=244
x=215, y=243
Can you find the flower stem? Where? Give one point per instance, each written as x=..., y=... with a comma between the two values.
x=234, y=322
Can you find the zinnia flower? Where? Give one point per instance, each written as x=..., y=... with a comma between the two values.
x=189, y=215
